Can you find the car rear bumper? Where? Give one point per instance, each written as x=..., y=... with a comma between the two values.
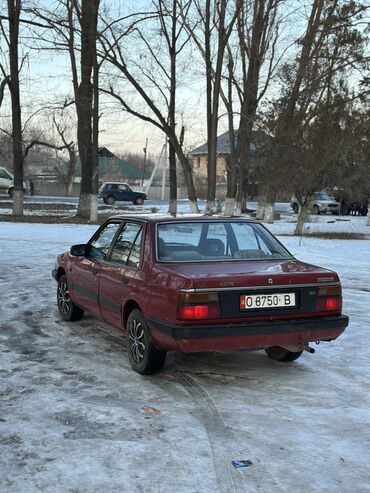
x=247, y=335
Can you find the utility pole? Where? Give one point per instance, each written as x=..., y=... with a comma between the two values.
x=145, y=149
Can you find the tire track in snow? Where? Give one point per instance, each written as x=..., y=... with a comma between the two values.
x=228, y=478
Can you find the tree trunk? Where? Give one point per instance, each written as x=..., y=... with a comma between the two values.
x=269, y=213
x=188, y=175
x=213, y=94
x=71, y=172
x=95, y=142
x=14, y=9
x=89, y=11
x=172, y=208
x=231, y=169
x=260, y=212
x=301, y=219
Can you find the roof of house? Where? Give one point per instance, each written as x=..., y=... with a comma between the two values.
x=108, y=161
x=223, y=144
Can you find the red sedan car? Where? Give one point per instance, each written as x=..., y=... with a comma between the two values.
x=198, y=284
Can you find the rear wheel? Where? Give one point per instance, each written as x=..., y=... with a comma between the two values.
x=139, y=201
x=11, y=192
x=295, y=208
x=144, y=357
x=279, y=353
x=66, y=307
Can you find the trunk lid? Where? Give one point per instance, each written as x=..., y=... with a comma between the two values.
x=236, y=280
x=253, y=273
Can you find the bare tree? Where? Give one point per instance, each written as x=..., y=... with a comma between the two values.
x=330, y=48
x=84, y=103
x=142, y=80
x=258, y=31
x=69, y=176
x=73, y=28
x=210, y=29
x=14, y=11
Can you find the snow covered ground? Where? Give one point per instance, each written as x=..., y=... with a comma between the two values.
x=75, y=418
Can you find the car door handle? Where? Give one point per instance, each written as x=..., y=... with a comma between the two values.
x=125, y=280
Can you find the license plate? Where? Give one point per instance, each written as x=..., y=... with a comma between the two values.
x=277, y=300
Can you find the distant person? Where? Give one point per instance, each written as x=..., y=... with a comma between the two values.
x=32, y=188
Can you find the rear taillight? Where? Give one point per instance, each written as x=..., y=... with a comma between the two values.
x=198, y=306
x=329, y=299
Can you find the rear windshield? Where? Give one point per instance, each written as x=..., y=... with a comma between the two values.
x=215, y=241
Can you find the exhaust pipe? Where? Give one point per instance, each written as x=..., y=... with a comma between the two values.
x=309, y=349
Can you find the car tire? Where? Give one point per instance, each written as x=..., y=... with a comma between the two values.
x=110, y=200
x=279, y=353
x=295, y=208
x=68, y=310
x=316, y=210
x=139, y=201
x=11, y=192
x=144, y=357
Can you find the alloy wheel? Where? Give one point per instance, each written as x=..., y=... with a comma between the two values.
x=64, y=298
x=137, y=340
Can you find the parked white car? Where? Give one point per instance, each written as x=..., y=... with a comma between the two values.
x=321, y=203
x=7, y=182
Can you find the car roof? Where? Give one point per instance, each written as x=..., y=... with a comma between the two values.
x=165, y=218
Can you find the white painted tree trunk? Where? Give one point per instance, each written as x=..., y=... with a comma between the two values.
x=301, y=219
x=268, y=216
x=368, y=216
x=18, y=203
x=238, y=208
x=229, y=206
x=260, y=212
x=194, y=207
x=94, y=209
x=172, y=207
x=84, y=205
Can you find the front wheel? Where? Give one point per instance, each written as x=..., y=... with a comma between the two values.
x=144, y=357
x=279, y=353
x=295, y=208
x=66, y=307
x=11, y=192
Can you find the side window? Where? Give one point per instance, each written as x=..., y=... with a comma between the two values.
x=186, y=234
x=123, y=188
x=245, y=236
x=4, y=174
x=249, y=239
x=126, y=250
x=103, y=241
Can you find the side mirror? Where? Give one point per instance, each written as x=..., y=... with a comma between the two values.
x=87, y=251
x=79, y=250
